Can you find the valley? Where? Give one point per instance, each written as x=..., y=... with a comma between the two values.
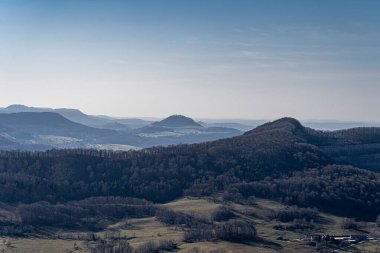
x=150, y=230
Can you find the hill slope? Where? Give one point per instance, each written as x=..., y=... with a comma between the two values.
x=357, y=146
x=274, y=151
x=78, y=194
x=168, y=172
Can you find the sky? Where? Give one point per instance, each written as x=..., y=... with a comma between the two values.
x=251, y=59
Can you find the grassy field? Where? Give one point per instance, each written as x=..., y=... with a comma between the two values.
x=147, y=229
x=365, y=247
x=37, y=245
x=191, y=205
x=144, y=230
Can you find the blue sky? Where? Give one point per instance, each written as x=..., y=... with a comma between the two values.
x=202, y=58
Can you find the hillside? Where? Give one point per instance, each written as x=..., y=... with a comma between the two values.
x=273, y=150
x=131, y=199
x=357, y=146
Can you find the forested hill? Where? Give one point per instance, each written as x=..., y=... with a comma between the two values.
x=357, y=146
x=273, y=150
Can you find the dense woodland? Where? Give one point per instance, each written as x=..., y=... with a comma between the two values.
x=280, y=160
x=157, y=174
x=342, y=190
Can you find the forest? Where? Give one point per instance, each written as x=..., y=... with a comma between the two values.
x=278, y=160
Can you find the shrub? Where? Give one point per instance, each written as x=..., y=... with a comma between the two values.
x=251, y=200
x=195, y=250
x=234, y=230
x=218, y=251
x=233, y=195
x=170, y=217
x=223, y=213
x=295, y=213
x=111, y=246
x=153, y=247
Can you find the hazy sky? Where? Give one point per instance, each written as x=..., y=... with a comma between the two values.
x=316, y=59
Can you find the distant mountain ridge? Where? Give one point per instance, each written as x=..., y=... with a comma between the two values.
x=127, y=124
x=173, y=130
x=44, y=128
x=76, y=115
x=46, y=123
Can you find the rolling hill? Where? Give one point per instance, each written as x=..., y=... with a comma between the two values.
x=357, y=146
x=269, y=188
x=272, y=151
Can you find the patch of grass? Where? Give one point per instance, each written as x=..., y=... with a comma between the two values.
x=36, y=245
x=146, y=229
x=229, y=247
x=195, y=206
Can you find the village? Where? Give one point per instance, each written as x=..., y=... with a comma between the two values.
x=337, y=242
